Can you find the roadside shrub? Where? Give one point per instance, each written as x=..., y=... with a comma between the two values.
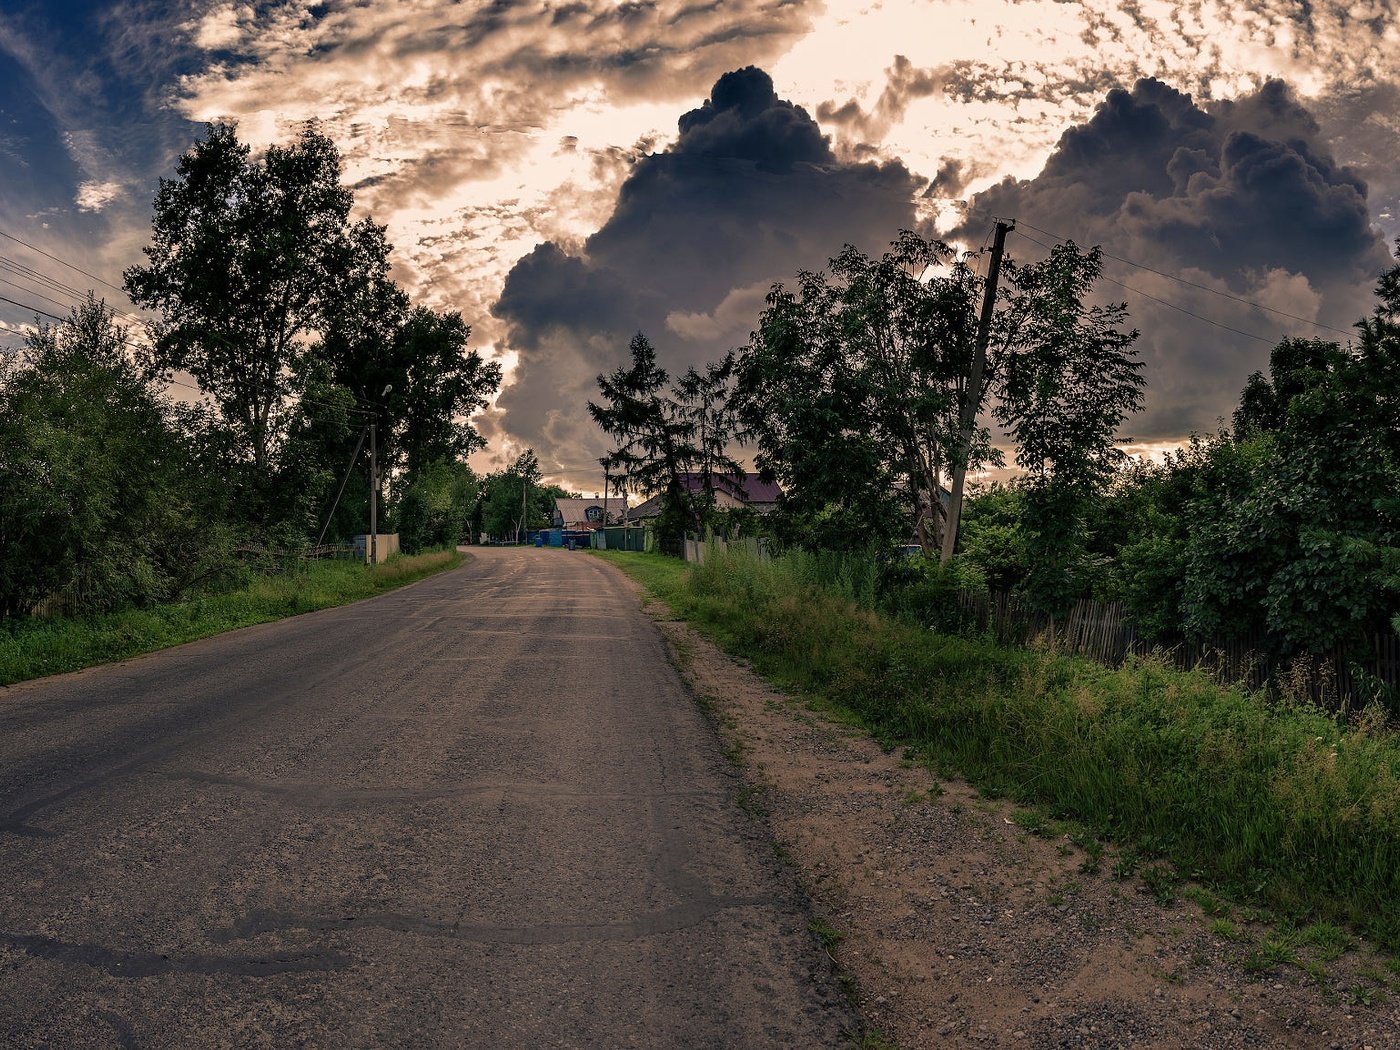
x=932, y=596
x=1277, y=804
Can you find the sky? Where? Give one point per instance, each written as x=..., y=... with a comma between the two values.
x=567, y=172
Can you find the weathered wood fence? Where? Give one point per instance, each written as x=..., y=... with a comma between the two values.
x=1344, y=676
x=695, y=549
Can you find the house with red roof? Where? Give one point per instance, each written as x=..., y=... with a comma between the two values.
x=731, y=491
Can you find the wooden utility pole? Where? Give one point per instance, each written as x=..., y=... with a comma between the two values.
x=968, y=417
x=607, y=476
x=373, y=499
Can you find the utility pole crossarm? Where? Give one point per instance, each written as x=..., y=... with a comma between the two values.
x=968, y=416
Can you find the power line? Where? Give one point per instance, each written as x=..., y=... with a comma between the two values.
x=1181, y=280
x=33, y=291
x=1164, y=302
x=1202, y=287
x=303, y=399
x=140, y=321
x=44, y=280
x=61, y=262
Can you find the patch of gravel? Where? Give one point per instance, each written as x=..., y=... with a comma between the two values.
x=960, y=929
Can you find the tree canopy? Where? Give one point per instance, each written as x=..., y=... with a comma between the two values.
x=243, y=264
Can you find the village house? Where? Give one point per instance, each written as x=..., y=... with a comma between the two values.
x=731, y=490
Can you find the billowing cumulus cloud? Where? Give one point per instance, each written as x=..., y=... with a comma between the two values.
x=479, y=131
x=749, y=193
x=1240, y=198
x=490, y=126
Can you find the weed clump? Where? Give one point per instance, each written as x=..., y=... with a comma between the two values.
x=1280, y=805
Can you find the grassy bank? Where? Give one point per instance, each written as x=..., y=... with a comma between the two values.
x=34, y=648
x=1271, y=804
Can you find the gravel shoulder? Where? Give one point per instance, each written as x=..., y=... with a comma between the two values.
x=956, y=926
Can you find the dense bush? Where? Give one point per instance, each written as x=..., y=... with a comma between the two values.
x=102, y=493
x=1277, y=804
x=435, y=510
x=1284, y=527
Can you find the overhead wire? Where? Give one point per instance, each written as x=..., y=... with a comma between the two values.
x=44, y=280
x=1164, y=302
x=1020, y=222
x=33, y=291
x=61, y=262
x=138, y=321
x=1200, y=287
x=191, y=386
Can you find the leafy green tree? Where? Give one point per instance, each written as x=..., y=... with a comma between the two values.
x=101, y=488
x=441, y=385
x=704, y=402
x=992, y=536
x=323, y=432
x=375, y=340
x=1286, y=529
x=435, y=510
x=516, y=499
x=243, y=264
x=1296, y=523
x=1063, y=399
x=851, y=388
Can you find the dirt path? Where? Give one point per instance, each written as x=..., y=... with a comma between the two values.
x=959, y=927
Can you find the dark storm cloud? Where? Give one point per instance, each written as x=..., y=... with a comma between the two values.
x=948, y=181
x=1241, y=196
x=749, y=193
x=904, y=83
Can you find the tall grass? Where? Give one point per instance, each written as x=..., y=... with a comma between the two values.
x=1276, y=804
x=33, y=648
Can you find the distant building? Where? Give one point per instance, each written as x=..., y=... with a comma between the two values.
x=585, y=515
x=731, y=490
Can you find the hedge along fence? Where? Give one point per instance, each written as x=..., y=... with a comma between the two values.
x=1282, y=805
x=1341, y=679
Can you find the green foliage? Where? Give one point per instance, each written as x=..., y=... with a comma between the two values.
x=852, y=386
x=1286, y=807
x=1294, y=524
x=34, y=648
x=101, y=491
x=409, y=363
x=929, y=593
x=668, y=434
x=243, y=264
x=991, y=536
x=1284, y=531
x=517, y=490
x=284, y=312
x=435, y=509
x=1063, y=404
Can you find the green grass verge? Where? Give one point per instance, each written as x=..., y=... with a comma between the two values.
x=1279, y=806
x=35, y=648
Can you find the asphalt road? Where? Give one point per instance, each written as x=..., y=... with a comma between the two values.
x=479, y=811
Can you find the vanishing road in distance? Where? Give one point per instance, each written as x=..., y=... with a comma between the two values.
x=482, y=810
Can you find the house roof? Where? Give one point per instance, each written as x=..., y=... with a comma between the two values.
x=746, y=486
x=574, y=511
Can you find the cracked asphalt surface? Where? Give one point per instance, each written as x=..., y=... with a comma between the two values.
x=482, y=810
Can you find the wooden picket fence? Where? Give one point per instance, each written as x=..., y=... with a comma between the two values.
x=1340, y=678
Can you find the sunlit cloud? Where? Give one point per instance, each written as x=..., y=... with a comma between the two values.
x=480, y=132
x=94, y=196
